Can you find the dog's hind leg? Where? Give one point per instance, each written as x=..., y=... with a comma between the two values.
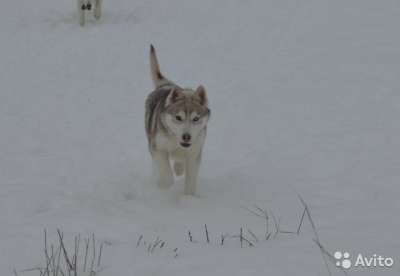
x=97, y=9
x=165, y=175
x=81, y=12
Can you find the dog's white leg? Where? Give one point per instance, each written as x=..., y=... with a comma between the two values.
x=166, y=178
x=192, y=169
x=179, y=168
x=97, y=9
x=81, y=12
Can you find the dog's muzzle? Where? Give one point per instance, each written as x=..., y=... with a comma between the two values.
x=186, y=137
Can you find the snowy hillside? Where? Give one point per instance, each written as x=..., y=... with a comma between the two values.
x=305, y=100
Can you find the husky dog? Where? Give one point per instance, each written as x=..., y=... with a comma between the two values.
x=86, y=5
x=176, y=124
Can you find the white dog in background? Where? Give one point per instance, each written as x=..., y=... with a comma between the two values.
x=88, y=5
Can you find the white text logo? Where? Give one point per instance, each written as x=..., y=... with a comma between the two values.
x=376, y=261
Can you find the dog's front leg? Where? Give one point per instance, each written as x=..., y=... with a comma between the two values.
x=81, y=12
x=97, y=9
x=192, y=169
x=165, y=176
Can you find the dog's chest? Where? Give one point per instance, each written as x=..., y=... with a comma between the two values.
x=165, y=142
x=179, y=153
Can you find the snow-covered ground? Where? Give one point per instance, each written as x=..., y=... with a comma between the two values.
x=305, y=99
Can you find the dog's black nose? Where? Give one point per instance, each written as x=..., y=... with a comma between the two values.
x=186, y=137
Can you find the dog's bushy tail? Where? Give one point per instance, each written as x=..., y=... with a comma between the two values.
x=158, y=78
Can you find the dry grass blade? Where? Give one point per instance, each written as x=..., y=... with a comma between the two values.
x=331, y=258
x=316, y=240
x=323, y=256
x=222, y=239
x=76, y=252
x=53, y=263
x=246, y=240
x=253, y=235
x=45, y=245
x=86, y=253
x=156, y=243
x=31, y=269
x=100, y=253
x=309, y=217
x=57, y=268
x=253, y=212
x=162, y=244
x=262, y=214
x=67, y=260
x=301, y=221
x=190, y=236
x=241, y=237
x=93, y=256
x=207, y=236
x=287, y=232
x=276, y=223
x=139, y=240
x=46, y=254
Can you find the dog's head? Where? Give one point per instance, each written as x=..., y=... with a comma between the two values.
x=186, y=114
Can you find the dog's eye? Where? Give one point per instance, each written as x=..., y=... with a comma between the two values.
x=178, y=118
x=196, y=119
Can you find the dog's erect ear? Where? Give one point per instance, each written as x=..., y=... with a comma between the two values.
x=173, y=96
x=202, y=95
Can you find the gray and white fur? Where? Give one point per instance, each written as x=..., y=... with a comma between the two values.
x=176, y=125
